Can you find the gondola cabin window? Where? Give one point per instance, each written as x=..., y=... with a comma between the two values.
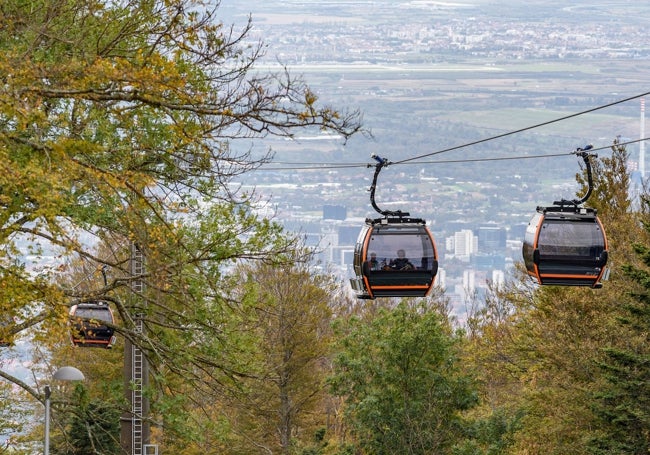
x=576, y=240
x=403, y=250
x=96, y=315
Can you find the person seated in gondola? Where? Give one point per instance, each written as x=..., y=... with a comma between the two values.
x=373, y=263
x=401, y=262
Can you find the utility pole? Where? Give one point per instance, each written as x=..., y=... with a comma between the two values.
x=135, y=433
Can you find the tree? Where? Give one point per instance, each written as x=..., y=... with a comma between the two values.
x=94, y=428
x=14, y=414
x=491, y=354
x=116, y=125
x=288, y=311
x=538, y=348
x=622, y=402
x=401, y=381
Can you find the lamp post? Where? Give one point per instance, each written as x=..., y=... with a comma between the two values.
x=62, y=374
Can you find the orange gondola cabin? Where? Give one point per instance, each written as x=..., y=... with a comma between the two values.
x=566, y=247
x=92, y=325
x=394, y=257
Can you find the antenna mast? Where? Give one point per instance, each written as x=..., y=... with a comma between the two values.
x=642, y=142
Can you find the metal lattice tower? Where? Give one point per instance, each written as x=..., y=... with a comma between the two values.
x=135, y=429
x=137, y=357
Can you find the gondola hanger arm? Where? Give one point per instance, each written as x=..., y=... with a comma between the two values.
x=583, y=153
x=381, y=163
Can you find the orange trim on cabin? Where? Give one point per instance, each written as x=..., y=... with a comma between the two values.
x=83, y=341
x=368, y=287
x=562, y=275
x=380, y=288
x=364, y=253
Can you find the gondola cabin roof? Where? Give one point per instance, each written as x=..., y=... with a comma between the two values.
x=379, y=269
x=565, y=246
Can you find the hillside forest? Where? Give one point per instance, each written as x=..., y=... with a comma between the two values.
x=116, y=125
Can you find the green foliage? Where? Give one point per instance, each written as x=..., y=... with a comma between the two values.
x=14, y=420
x=286, y=309
x=491, y=435
x=622, y=403
x=93, y=428
x=317, y=446
x=402, y=384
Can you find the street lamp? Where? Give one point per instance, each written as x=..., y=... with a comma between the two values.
x=62, y=374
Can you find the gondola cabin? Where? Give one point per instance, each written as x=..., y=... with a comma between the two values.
x=394, y=257
x=565, y=246
x=92, y=325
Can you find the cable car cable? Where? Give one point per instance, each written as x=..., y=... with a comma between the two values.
x=538, y=125
x=509, y=133
x=321, y=166
x=523, y=157
x=498, y=136
x=310, y=166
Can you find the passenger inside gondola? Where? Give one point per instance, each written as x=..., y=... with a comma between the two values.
x=373, y=262
x=401, y=262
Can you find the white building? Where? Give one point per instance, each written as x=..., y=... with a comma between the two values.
x=463, y=244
